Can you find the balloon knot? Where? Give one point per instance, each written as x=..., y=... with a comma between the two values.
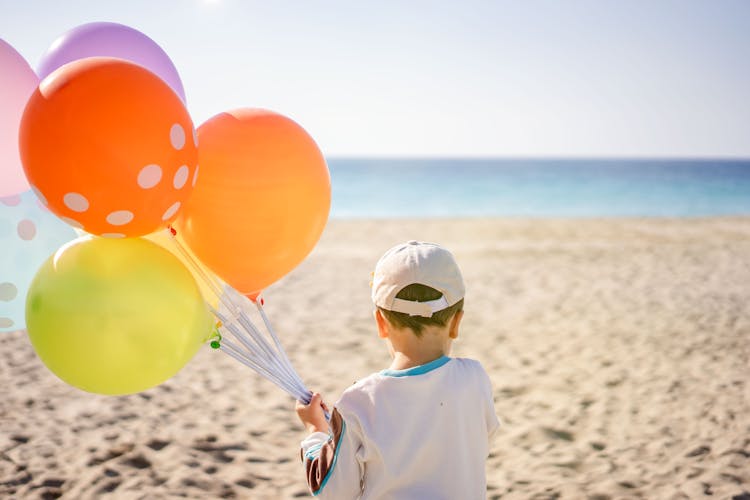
x=215, y=341
x=173, y=231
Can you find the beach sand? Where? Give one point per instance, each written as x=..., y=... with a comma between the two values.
x=619, y=351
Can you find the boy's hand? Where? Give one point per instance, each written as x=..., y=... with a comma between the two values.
x=313, y=415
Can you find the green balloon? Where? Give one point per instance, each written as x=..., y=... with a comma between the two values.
x=115, y=316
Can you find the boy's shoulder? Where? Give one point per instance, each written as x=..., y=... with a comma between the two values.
x=365, y=387
x=362, y=385
x=468, y=363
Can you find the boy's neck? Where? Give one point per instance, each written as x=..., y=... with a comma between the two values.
x=403, y=361
x=409, y=351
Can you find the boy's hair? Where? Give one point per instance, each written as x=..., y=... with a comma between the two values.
x=421, y=293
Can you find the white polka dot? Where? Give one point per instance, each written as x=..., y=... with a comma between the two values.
x=11, y=201
x=195, y=137
x=171, y=211
x=76, y=202
x=26, y=230
x=177, y=136
x=181, y=177
x=195, y=175
x=6, y=322
x=8, y=291
x=120, y=217
x=72, y=222
x=149, y=176
x=113, y=235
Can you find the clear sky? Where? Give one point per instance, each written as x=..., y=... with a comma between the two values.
x=451, y=78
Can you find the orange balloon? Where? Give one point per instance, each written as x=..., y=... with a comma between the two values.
x=261, y=201
x=109, y=147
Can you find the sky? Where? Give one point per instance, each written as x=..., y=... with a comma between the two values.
x=469, y=78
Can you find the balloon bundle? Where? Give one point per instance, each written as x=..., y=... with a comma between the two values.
x=105, y=143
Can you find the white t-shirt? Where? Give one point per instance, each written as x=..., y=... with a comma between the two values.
x=419, y=433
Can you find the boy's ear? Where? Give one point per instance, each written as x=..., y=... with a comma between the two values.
x=455, y=323
x=383, y=325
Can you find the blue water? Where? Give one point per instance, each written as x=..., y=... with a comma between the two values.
x=538, y=188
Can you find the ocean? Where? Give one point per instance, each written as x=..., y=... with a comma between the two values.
x=455, y=187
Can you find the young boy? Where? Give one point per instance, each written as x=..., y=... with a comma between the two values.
x=421, y=428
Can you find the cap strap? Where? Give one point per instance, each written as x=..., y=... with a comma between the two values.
x=414, y=308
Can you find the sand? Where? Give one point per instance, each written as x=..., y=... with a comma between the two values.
x=619, y=351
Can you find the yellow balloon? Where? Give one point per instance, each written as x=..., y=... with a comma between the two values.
x=164, y=239
x=115, y=316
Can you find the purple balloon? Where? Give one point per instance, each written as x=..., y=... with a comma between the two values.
x=111, y=40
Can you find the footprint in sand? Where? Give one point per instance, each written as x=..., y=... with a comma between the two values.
x=137, y=462
x=558, y=434
x=109, y=486
x=218, y=451
x=596, y=445
x=52, y=483
x=245, y=483
x=114, y=452
x=157, y=444
x=20, y=439
x=201, y=484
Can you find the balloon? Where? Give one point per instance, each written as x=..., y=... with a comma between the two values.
x=109, y=147
x=164, y=240
x=262, y=200
x=111, y=40
x=115, y=316
x=29, y=234
x=17, y=83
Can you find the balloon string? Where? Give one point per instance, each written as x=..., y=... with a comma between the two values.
x=208, y=280
x=283, y=355
x=260, y=341
x=261, y=365
x=260, y=359
x=279, y=355
x=229, y=346
x=240, y=336
x=255, y=341
x=292, y=385
x=258, y=354
x=232, y=350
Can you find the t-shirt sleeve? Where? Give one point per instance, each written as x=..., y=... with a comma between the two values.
x=333, y=465
x=493, y=423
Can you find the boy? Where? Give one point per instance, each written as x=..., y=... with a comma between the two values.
x=421, y=428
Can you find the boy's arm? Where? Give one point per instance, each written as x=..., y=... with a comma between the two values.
x=332, y=467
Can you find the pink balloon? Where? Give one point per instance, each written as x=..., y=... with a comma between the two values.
x=17, y=82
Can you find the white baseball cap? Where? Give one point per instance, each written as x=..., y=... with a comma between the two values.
x=417, y=262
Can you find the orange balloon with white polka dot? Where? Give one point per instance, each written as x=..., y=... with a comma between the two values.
x=109, y=147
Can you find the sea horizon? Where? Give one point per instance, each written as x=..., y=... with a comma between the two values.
x=426, y=186
x=425, y=156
